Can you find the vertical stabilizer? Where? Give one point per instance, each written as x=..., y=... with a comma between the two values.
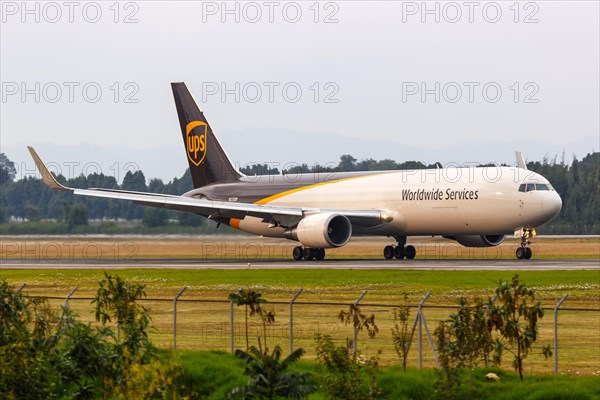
x=206, y=158
x=520, y=160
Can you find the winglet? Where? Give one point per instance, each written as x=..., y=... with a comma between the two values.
x=48, y=178
x=520, y=160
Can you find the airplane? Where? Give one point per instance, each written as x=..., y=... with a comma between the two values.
x=474, y=206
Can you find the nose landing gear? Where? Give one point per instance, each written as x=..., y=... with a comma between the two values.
x=524, y=252
x=399, y=251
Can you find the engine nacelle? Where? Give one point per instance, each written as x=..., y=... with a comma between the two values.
x=480, y=240
x=322, y=230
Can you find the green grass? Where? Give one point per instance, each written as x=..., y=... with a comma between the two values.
x=213, y=374
x=166, y=282
x=210, y=374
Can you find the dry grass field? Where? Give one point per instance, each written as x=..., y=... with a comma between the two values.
x=243, y=247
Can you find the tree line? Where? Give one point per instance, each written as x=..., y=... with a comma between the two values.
x=578, y=184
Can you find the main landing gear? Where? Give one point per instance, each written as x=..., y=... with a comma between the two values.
x=400, y=251
x=524, y=251
x=308, y=253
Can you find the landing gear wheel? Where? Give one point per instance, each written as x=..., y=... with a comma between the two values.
x=298, y=253
x=399, y=252
x=309, y=254
x=320, y=254
x=410, y=252
x=388, y=252
x=524, y=252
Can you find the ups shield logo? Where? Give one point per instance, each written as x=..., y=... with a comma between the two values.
x=195, y=141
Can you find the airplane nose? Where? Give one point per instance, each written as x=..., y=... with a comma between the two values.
x=551, y=205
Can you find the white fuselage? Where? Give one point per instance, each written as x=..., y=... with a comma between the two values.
x=449, y=201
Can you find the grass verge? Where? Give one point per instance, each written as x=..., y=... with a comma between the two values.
x=211, y=375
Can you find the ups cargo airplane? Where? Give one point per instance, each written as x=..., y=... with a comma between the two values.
x=476, y=207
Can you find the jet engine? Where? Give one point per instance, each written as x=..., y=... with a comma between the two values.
x=322, y=230
x=479, y=240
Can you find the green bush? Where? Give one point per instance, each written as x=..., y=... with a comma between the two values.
x=46, y=355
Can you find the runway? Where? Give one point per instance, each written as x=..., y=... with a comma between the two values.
x=232, y=264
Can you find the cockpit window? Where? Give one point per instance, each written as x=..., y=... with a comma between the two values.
x=530, y=187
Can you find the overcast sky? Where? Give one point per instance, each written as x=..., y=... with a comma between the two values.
x=292, y=82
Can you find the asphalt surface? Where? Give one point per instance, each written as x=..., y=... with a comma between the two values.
x=465, y=265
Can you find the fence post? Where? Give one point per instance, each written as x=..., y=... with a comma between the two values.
x=354, y=311
x=420, y=318
x=556, y=332
x=175, y=316
x=69, y=296
x=231, y=336
x=292, y=320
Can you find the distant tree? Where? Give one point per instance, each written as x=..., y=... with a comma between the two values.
x=297, y=169
x=7, y=169
x=259, y=169
x=135, y=181
x=347, y=163
x=324, y=168
x=412, y=165
x=154, y=216
x=156, y=186
x=189, y=219
x=77, y=215
x=181, y=185
x=32, y=213
x=363, y=165
x=385, y=165
x=4, y=176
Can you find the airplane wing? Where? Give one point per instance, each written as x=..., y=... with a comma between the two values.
x=216, y=210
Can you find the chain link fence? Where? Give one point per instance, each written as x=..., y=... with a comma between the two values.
x=209, y=324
